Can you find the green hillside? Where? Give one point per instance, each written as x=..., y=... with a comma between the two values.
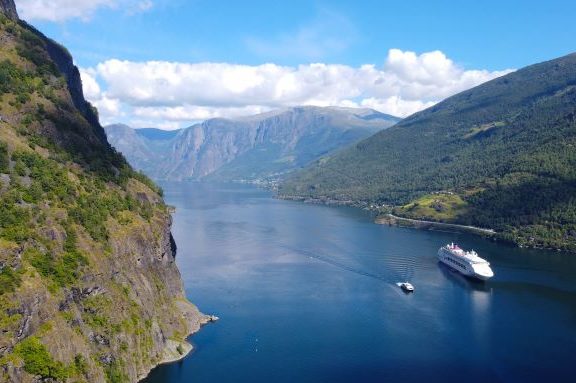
x=506, y=149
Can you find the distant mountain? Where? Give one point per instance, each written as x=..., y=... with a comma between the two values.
x=248, y=148
x=144, y=148
x=157, y=134
x=501, y=155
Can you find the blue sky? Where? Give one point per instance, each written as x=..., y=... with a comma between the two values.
x=489, y=36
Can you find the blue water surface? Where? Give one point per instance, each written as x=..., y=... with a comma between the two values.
x=308, y=293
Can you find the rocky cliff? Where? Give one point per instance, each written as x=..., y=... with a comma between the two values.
x=262, y=146
x=8, y=8
x=89, y=290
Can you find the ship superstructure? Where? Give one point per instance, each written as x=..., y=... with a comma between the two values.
x=468, y=263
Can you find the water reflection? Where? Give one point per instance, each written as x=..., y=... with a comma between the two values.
x=467, y=283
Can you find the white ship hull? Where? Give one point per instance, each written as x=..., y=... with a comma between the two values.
x=477, y=270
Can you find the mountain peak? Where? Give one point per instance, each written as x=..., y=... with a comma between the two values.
x=360, y=113
x=262, y=146
x=8, y=8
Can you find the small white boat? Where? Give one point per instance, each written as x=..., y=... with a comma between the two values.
x=406, y=286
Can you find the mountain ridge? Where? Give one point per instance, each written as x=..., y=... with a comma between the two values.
x=251, y=147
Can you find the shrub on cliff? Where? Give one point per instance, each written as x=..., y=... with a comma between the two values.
x=37, y=360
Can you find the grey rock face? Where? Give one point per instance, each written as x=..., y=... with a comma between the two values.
x=8, y=8
x=255, y=147
x=65, y=64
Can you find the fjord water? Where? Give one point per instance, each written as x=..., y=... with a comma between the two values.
x=308, y=293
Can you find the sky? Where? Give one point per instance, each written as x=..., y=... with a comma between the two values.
x=170, y=63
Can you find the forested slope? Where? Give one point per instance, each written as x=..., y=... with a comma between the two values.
x=501, y=155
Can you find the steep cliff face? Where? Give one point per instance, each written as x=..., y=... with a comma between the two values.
x=261, y=146
x=8, y=8
x=89, y=290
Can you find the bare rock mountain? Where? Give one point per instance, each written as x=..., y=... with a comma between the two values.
x=249, y=148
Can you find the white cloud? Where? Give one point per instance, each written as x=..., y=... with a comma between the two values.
x=60, y=10
x=395, y=105
x=90, y=85
x=145, y=123
x=196, y=113
x=160, y=92
x=109, y=109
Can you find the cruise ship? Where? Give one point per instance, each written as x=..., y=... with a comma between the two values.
x=465, y=262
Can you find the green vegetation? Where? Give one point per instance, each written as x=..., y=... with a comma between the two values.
x=94, y=313
x=8, y=320
x=14, y=219
x=64, y=270
x=64, y=192
x=37, y=360
x=506, y=148
x=483, y=128
x=49, y=180
x=14, y=80
x=4, y=159
x=91, y=210
x=148, y=182
x=89, y=203
x=9, y=280
x=114, y=373
x=32, y=49
x=80, y=365
x=441, y=207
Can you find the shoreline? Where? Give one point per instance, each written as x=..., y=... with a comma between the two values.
x=391, y=219
x=171, y=354
x=383, y=218
x=325, y=201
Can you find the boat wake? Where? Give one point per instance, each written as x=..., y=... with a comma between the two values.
x=402, y=267
x=340, y=265
x=398, y=268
